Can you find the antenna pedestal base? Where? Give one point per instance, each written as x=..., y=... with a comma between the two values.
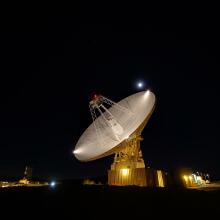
x=128, y=167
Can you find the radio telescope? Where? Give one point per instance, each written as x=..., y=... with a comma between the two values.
x=116, y=129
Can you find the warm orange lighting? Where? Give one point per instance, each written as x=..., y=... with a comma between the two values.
x=125, y=172
x=160, y=178
x=185, y=177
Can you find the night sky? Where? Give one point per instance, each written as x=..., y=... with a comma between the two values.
x=51, y=66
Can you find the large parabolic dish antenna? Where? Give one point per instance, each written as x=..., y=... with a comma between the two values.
x=116, y=124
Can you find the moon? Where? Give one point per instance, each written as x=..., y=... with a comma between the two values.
x=140, y=85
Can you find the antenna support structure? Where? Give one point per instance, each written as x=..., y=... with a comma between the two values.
x=128, y=167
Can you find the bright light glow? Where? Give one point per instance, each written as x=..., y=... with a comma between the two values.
x=76, y=151
x=125, y=172
x=146, y=94
x=190, y=177
x=53, y=183
x=140, y=84
x=160, y=178
x=185, y=177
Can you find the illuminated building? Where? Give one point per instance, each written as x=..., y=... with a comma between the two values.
x=25, y=181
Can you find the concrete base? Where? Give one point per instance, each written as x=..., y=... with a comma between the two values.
x=138, y=176
x=124, y=177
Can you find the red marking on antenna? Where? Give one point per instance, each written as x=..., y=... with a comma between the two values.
x=94, y=96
